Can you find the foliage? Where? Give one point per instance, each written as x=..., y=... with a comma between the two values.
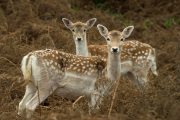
x=171, y=22
x=147, y=24
x=75, y=9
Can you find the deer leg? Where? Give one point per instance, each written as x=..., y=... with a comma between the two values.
x=142, y=78
x=142, y=74
x=94, y=102
x=134, y=79
x=30, y=91
x=41, y=94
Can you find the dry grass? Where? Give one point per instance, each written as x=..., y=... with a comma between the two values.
x=28, y=25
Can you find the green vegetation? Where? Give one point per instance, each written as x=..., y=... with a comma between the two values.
x=128, y=23
x=110, y=9
x=171, y=22
x=75, y=9
x=99, y=4
x=147, y=24
x=118, y=17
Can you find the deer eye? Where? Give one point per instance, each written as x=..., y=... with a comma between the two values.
x=122, y=39
x=84, y=30
x=73, y=30
x=108, y=39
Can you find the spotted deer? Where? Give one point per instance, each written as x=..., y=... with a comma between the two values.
x=68, y=75
x=79, y=34
x=136, y=58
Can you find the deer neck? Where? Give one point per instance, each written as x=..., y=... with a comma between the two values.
x=81, y=47
x=113, y=65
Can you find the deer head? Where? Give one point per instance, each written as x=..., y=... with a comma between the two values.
x=79, y=34
x=115, y=41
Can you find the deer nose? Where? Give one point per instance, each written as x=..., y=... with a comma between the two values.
x=79, y=39
x=114, y=49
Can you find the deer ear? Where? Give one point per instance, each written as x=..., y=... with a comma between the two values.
x=90, y=23
x=127, y=31
x=102, y=30
x=67, y=23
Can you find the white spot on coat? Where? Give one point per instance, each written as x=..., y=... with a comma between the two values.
x=74, y=68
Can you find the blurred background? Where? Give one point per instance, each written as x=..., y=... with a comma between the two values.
x=28, y=25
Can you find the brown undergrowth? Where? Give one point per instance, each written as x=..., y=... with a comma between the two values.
x=28, y=25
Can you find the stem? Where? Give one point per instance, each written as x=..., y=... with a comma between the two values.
x=114, y=95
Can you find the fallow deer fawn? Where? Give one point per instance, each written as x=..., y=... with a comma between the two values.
x=69, y=75
x=136, y=57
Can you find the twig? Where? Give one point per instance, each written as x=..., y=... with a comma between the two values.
x=114, y=95
x=51, y=98
x=76, y=101
x=25, y=83
x=12, y=63
x=178, y=71
x=139, y=5
x=176, y=57
x=26, y=40
x=50, y=37
x=177, y=48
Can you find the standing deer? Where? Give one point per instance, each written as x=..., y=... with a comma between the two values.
x=136, y=58
x=69, y=75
